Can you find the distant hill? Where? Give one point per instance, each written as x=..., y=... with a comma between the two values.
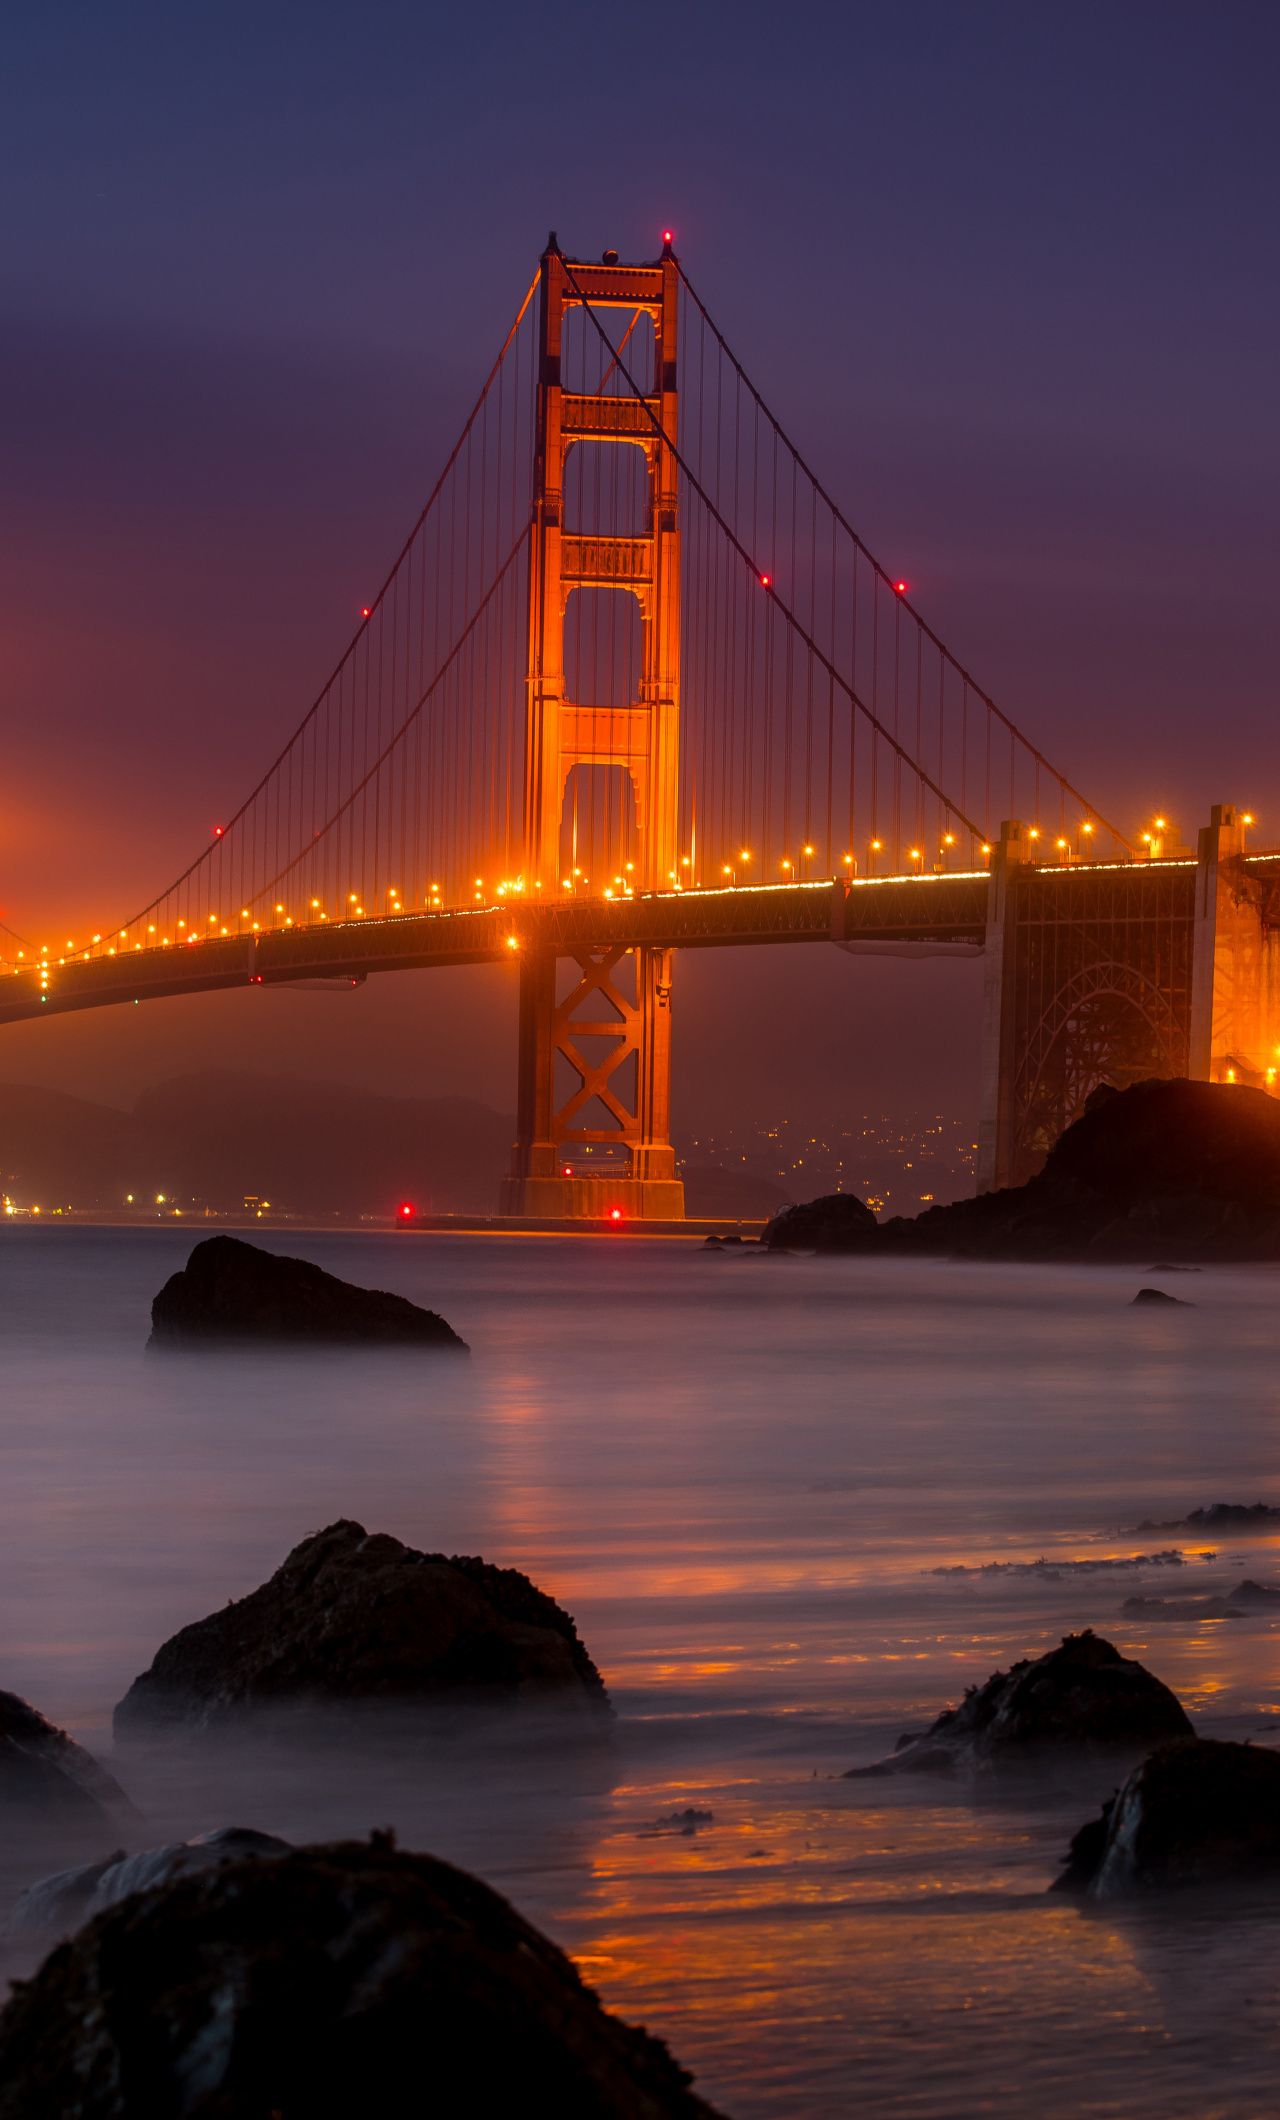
x=311, y=1149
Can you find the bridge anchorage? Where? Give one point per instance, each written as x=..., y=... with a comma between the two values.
x=634, y=685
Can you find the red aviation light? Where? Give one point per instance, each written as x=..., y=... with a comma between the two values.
x=900, y=588
x=766, y=581
x=615, y=1214
x=668, y=235
x=218, y=830
x=366, y=611
x=566, y=1170
x=406, y=1210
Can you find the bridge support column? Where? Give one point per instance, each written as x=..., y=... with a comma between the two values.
x=594, y=1095
x=996, y=1123
x=1235, y=962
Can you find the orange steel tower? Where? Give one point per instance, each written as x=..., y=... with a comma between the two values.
x=595, y=1058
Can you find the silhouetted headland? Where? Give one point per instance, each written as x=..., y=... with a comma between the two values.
x=1177, y=1170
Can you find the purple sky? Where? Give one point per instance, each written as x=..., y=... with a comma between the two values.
x=1008, y=273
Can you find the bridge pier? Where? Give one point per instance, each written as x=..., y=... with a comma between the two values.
x=1117, y=972
x=1235, y=984
x=595, y=1077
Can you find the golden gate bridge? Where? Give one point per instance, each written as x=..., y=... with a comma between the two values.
x=633, y=685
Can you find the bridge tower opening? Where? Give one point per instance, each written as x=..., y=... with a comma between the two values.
x=595, y=1027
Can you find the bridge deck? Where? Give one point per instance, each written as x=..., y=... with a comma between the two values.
x=900, y=909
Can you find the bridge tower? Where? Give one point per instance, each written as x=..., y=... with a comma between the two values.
x=595, y=1027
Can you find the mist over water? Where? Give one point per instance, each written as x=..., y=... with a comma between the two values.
x=738, y=1474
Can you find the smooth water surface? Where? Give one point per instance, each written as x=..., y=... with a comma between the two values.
x=740, y=1475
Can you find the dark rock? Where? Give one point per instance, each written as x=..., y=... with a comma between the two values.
x=1245, y=1600
x=837, y=1222
x=1221, y=1518
x=46, y=1778
x=1083, y=1697
x=332, y=1981
x=353, y=1618
x=1198, y=1812
x=232, y=1291
x=1157, y=1295
x=59, y=1904
x=1173, y=1170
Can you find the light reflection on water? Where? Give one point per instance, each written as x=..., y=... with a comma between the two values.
x=735, y=1472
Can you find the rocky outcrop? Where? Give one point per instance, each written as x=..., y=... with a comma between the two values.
x=47, y=1779
x=1201, y=1812
x=331, y=1981
x=1246, y=1601
x=1171, y=1170
x=353, y=1618
x=231, y=1291
x=838, y=1222
x=1158, y=1295
x=60, y=1904
x=1081, y=1698
x=1223, y=1519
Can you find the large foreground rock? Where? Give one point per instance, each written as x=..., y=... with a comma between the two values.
x=1196, y=1813
x=49, y=1781
x=837, y=1222
x=352, y=1618
x=232, y=1291
x=1163, y=1170
x=335, y=1981
x=1082, y=1698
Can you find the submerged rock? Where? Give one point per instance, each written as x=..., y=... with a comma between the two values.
x=48, y=1780
x=232, y=1291
x=837, y=1222
x=1083, y=1697
x=59, y=1904
x=352, y=1617
x=1243, y=1602
x=1199, y=1812
x=331, y=1981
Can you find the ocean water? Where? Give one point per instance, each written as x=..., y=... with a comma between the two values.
x=742, y=1476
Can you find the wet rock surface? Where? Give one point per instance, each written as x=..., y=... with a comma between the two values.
x=59, y=1904
x=1081, y=1698
x=331, y=1981
x=1196, y=1813
x=838, y=1222
x=357, y=1618
x=47, y=1781
x=234, y=1292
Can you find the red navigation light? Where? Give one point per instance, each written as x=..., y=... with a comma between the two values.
x=406, y=1210
x=567, y=1171
x=900, y=588
x=615, y=1214
x=255, y=978
x=668, y=235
